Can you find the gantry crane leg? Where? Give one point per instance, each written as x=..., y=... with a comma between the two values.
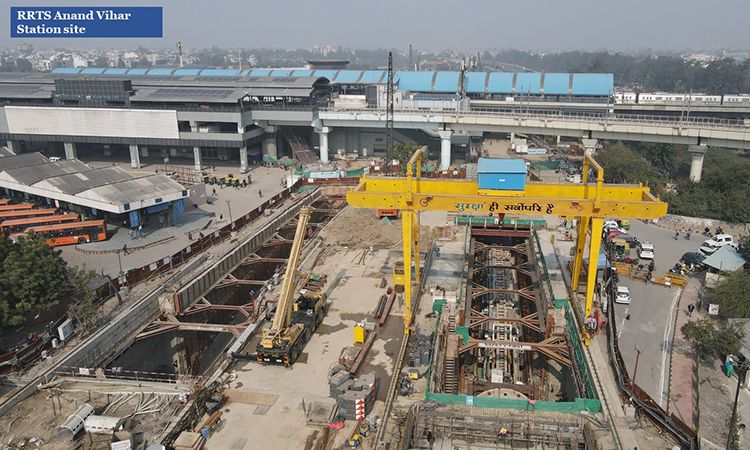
x=407, y=225
x=415, y=237
x=583, y=228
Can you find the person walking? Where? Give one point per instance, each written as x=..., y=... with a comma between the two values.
x=691, y=307
x=676, y=234
x=125, y=249
x=190, y=236
x=687, y=235
x=260, y=193
x=213, y=192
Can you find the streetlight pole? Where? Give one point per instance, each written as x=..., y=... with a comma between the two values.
x=637, y=356
x=229, y=205
x=741, y=371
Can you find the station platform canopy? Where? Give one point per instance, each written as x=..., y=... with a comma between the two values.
x=110, y=189
x=573, y=84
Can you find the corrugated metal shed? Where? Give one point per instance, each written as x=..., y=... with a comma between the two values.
x=108, y=189
x=22, y=160
x=78, y=182
x=134, y=190
x=31, y=174
x=726, y=259
x=502, y=174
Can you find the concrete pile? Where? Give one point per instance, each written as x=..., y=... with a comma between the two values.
x=355, y=397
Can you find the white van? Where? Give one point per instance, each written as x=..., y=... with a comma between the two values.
x=54, y=159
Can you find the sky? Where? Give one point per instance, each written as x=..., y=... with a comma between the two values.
x=431, y=25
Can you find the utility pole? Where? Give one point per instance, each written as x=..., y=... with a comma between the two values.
x=179, y=47
x=389, y=111
x=410, y=62
x=637, y=356
x=239, y=51
x=229, y=205
x=741, y=371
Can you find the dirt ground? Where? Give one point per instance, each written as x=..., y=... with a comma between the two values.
x=36, y=419
x=716, y=400
x=360, y=228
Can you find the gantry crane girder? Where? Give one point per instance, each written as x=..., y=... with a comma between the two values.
x=590, y=203
x=538, y=198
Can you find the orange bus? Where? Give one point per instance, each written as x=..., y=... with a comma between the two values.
x=26, y=214
x=13, y=227
x=4, y=201
x=73, y=233
x=18, y=207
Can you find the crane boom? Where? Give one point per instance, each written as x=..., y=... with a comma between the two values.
x=286, y=298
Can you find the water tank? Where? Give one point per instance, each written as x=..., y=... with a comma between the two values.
x=74, y=423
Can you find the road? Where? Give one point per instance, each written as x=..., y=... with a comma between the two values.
x=651, y=324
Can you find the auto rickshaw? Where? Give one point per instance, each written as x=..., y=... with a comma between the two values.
x=624, y=224
x=222, y=180
x=620, y=247
x=235, y=182
x=206, y=179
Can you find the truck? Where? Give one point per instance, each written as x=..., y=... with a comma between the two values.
x=298, y=314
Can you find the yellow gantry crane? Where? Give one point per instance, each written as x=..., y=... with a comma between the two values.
x=590, y=203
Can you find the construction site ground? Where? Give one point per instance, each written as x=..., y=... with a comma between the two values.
x=33, y=422
x=353, y=292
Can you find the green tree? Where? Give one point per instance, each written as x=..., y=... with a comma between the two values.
x=403, y=153
x=623, y=165
x=710, y=341
x=744, y=246
x=22, y=65
x=732, y=295
x=34, y=278
x=84, y=310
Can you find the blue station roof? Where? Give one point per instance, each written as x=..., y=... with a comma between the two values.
x=440, y=82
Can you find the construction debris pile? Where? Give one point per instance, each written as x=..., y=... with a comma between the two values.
x=361, y=228
x=355, y=397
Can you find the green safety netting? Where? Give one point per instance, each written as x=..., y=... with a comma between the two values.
x=576, y=406
x=306, y=188
x=545, y=165
x=286, y=162
x=355, y=172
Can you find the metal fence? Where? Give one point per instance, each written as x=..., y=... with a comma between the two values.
x=129, y=375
